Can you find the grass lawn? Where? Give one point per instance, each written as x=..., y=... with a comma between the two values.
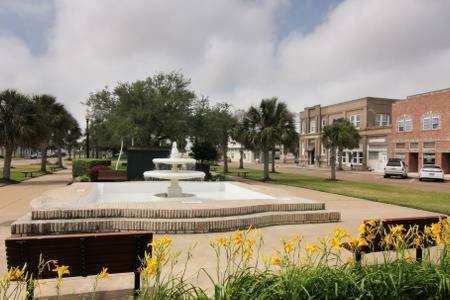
x=426, y=200
x=18, y=176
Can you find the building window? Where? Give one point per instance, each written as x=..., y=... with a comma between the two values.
x=312, y=126
x=429, y=158
x=428, y=145
x=427, y=122
x=431, y=121
x=401, y=125
x=408, y=124
x=324, y=123
x=404, y=124
x=356, y=120
x=400, y=145
x=303, y=127
x=435, y=121
x=383, y=120
x=373, y=155
x=414, y=146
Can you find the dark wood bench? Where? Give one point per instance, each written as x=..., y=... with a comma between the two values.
x=26, y=173
x=85, y=254
x=112, y=175
x=385, y=225
x=54, y=168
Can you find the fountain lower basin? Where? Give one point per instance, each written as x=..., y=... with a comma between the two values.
x=124, y=206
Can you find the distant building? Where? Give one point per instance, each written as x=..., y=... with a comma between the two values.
x=234, y=152
x=371, y=116
x=421, y=130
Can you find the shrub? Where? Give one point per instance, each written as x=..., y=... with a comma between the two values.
x=81, y=167
x=205, y=153
x=93, y=172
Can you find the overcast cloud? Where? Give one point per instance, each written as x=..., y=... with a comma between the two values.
x=232, y=50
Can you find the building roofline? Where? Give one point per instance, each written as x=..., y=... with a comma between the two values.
x=354, y=100
x=430, y=93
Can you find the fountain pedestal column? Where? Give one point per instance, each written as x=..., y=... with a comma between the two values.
x=174, y=189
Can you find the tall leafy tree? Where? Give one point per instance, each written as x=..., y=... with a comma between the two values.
x=18, y=120
x=212, y=124
x=149, y=112
x=267, y=125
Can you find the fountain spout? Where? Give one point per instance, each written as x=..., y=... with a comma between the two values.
x=174, y=151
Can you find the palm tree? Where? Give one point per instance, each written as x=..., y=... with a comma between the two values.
x=17, y=122
x=330, y=140
x=65, y=125
x=51, y=114
x=267, y=125
x=238, y=135
x=72, y=137
x=339, y=135
x=348, y=138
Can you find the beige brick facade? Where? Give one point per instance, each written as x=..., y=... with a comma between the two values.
x=372, y=117
x=421, y=130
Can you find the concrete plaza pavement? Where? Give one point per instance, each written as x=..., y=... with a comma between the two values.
x=14, y=202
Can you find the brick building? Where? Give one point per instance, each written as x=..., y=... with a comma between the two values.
x=421, y=130
x=371, y=116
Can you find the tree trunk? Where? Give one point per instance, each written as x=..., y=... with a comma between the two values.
x=225, y=158
x=273, y=160
x=60, y=161
x=44, y=159
x=340, y=154
x=7, y=162
x=333, y=163
x=69, y=149
x=241, y=158
x=266, y=164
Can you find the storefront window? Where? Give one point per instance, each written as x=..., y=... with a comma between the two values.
x=429, y=158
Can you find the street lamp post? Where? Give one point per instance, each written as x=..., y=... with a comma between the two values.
x=88, y=117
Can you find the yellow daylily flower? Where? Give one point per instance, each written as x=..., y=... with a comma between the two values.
x=61, y=271
x=103, y=274
x=311, y=249
x=237, y=238
x=275, y=261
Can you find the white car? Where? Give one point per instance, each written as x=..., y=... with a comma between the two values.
x=395, y=167
x=431, y=172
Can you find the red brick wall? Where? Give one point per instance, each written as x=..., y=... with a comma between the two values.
x=416, y=106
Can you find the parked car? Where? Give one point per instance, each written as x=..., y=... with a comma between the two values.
x=395, y=167
x=35, y=155
x=431, y=172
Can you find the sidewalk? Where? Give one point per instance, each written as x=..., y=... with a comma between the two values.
x=15, y=202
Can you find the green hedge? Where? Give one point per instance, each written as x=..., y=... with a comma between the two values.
x=81, y=167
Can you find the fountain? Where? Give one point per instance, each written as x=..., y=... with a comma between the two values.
x=174, y=174
x=162, y=206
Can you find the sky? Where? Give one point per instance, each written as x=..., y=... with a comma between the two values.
x=305, y=52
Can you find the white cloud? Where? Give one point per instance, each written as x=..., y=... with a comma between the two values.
x=229, y=49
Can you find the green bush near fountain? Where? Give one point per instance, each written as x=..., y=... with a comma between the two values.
x=81, y=167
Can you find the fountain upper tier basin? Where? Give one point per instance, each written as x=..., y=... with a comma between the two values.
x=174, y=161
x=169, y=174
